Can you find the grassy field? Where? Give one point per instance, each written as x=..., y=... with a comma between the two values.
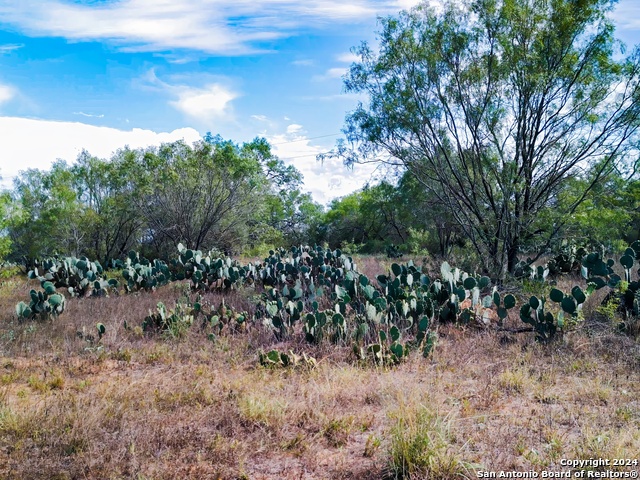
x=134, y=406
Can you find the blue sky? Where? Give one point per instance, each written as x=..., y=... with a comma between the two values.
x=99, y=74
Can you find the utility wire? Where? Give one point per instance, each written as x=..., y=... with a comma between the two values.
x=306, y=138
x=11, y=177
x=307, y=155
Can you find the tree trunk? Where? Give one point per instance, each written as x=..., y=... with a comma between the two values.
x=512, y=255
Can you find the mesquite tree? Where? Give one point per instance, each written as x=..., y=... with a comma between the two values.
x=493, y=106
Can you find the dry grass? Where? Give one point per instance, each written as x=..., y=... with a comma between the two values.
x=138, y=407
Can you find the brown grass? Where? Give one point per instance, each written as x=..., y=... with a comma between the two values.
x=138, y=407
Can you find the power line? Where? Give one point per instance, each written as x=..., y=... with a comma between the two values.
x=307, y=155
x=11, y=177
x=306, y=138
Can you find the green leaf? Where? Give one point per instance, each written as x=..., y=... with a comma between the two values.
x=396, y=269
x=614, y=280
x=626, y=261
x=525, y=314
x=556, y=295
x=509, y=301
x=285, y=359
x=272, y=309
x=568, y=305
x=469, y=283
x=397, y=350
x=311, y=320
x=375, y=348
x=578, y=294
x=56, y=300
x=534, y=302
x=395, y=333
x=597, y=281
x=423, y=326
x=49, y=288
x=273, y=356
x=486, y=301
x=20, y=308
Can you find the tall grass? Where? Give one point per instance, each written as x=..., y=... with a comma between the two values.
x=422, y=445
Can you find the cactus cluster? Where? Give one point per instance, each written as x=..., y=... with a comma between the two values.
x=383, y=320
x=320, y=293
x=274, y=358
x=543, y=322
x=526, y=270
x=389, y=350
x=567, y=261
x=76, y=275
x=629, y=294
x=43, y=304
x=208, y=272
x=311, y=266
x=597, y=274
x=393, y=251
x=143, y=274
x=172, y=322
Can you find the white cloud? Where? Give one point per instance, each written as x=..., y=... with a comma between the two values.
x=211, y=26
x=627, y=14
x=260, y=118
x=324, y=180
x=332, y=73
x=29, y=143
x=348, y=58
x=6, y=93
x=294, y=128
x=407, y=4
x=178, y=58
x=205, y=104
x=303, y=63
x=65, y=140
x=336, y=72
x=140, y=25
x=10, y=47
x=88, y=115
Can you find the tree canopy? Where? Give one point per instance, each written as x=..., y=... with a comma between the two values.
x=212, y=194
x=492, y=107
